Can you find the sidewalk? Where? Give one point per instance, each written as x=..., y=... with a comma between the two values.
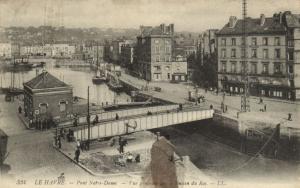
x=98, y=161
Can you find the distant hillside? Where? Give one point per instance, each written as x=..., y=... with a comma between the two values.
x=45, y=34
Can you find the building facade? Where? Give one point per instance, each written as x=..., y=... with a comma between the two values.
x=156, y=60
x=127, y=55
x=270, y=56
x=5, y=50
x=48, y=50
x=46, y=97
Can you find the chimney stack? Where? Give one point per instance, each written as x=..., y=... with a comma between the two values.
x=171, y=29
x=232, y=21
x=262, y=19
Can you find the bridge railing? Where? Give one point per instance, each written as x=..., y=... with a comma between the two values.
x=128, y=112
x=147, y=122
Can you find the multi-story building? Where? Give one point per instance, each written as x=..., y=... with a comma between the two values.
x=117, y=48
x=272, y=56
x=187, y=47
x=208, y=42
x=5, y=50
x=62, y=50
x=98, y=53
x=156, y=59
x=47, y=50
x=127, y=55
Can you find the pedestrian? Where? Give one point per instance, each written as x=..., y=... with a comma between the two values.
x=20, y=109
x=78, y=143
x=121, y=147
x=265, y=107
x=222, y=107
x=59, y=143
x=30, y=123
x=180, y=107
x=117, y=116
x=61, y=179
x=77, y=154
x=289, y=116
x=260, y=100
x=226, y=108
x=138, y=158
x=211, y=106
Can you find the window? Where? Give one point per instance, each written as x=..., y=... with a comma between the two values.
x=157, y=76
x=168, y=49
x=223, y=53
x=254, y=68
x=265, y=68
x=277, y=53
x=243, y=53
x=43, y=108
x=242, y=41
x=157, y=58
x=265, y=53
x=265, y=41
x=277, y=41
x=223, y=42
x=223, y=67
x=277, y=68
x=62, y=106
x=233, y=67
x=233, y=53
x=157, y=68
x=254, y=53
x=290, y=43
x=290, y=55
x=182, y=77
x=156, y=49
x=233, y=41
x=253, y=41
x=162, y=58
x=242, y=66
x=291, y=69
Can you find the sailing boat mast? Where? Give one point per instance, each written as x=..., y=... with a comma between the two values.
x=97, y=57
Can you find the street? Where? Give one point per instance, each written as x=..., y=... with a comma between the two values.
x=179, y=93
x=30, y=152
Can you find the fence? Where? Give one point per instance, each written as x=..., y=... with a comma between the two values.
x=120, y=127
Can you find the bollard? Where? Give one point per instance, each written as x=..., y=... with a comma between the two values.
x=289, y=116
x=157, y=135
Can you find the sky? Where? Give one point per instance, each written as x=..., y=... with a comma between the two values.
x=187, y=15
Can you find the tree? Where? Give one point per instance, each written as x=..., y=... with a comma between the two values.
x=205, y=71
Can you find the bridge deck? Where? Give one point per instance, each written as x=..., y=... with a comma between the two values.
x=123, y=113
x=140, y=123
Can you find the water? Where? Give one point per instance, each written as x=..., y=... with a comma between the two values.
x=78, y=77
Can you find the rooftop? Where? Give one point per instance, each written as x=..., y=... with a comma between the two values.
x=254, y=26
x=45, y=80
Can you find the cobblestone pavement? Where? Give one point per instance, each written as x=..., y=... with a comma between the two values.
x=179, y=93
x=9, y=121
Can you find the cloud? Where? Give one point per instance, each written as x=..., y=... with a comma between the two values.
x=194, y=15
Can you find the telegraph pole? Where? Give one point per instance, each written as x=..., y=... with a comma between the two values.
x=245, y=103
x=88, y=118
